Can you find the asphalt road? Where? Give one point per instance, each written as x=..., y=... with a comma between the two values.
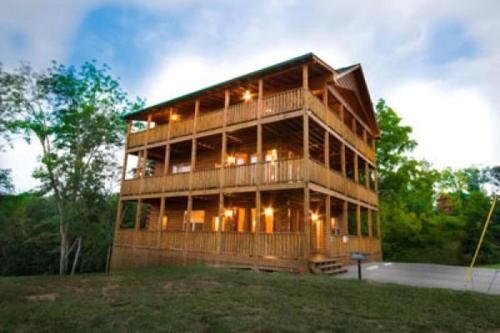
x=428, y=275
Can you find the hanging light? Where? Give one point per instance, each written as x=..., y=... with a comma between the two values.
x=247, y=95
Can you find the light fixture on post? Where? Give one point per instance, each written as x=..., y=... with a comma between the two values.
x=247, y=96
x=228, y=213
x=174, y=117
x=314, y=217
x=231, y=160
x=268, y=211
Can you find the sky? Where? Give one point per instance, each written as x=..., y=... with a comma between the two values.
x=437, y=63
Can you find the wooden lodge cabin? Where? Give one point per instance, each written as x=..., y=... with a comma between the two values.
x=275, y=169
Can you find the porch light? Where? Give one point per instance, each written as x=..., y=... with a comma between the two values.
x=345, y=239
x=268, y=211
x=247, y=96
x=231, y=160
x=314, y=217
x=228, y=213
x=174, y=117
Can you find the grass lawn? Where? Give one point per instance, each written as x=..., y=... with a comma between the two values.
x=204, y=299
x=495, y=266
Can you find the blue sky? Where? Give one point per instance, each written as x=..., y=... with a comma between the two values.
x=436, y=62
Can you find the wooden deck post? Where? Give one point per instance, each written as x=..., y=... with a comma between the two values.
x=258, y=195
x=345, y=217
x=167, y=160
x=307, y=223
x=378, y=225
x=160, y=219
x=369, y=218
x=119, y=211
x=326, y=228
x=342, y=159
x=138, y=213
x=221, y=221
x=356, y=168
x=367, y=174
x=358, y=219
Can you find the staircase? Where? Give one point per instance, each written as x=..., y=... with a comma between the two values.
x=326, y=266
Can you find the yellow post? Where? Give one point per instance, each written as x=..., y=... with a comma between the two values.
x=468, y=276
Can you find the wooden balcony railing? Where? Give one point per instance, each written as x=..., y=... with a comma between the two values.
x=331, y=118
x=158, y=133
x=206, y=179
x=285, y=101
x=136, y=139
x=280, y=244
x=337, y=247
x=242, y=112
x=240, y=175
x=124, y=237
x=183, y=127
x=210, y=120
x=286, y=171
x=277, y=172
x=321, y=175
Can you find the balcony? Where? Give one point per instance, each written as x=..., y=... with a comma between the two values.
x=282, y=102
x=279, y=244
x=292, y=172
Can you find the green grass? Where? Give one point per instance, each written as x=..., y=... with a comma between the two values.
x=494, y=266
x=204, y=299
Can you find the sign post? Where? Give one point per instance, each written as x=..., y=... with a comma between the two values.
x=359, y=256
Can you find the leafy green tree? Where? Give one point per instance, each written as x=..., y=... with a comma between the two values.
x=75, y=114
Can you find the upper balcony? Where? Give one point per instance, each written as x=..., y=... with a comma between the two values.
x=293, y=100
x=288, y=173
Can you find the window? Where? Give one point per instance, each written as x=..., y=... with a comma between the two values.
x=182, y=167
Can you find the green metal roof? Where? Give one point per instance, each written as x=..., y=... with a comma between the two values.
x=297, y=60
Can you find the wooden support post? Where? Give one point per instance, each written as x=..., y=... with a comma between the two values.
x=137, y=226
x=369, y=218
x=345, y=218
x=167, y=160
x=305, y=86
x=307, y=222
x=305, y=76
x=160, y=219
x=358, y=219
x=327, y=149
x=343, y=159
x=119, y=211
x=260, y=97
x=221, y=222
x=189, y=212
x=196, y=115
x=365, y=136
x=305, y=135
x=326, y=228
x=378, y=225
x=169, y=124
x=139, y=164
x=258, y=211
x=193, y=158
x=125, y=155
x=356, y=168
x=342, y=113
x=367, y=175
x=376, y=180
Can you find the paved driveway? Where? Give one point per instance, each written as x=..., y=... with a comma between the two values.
x=428, y=275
